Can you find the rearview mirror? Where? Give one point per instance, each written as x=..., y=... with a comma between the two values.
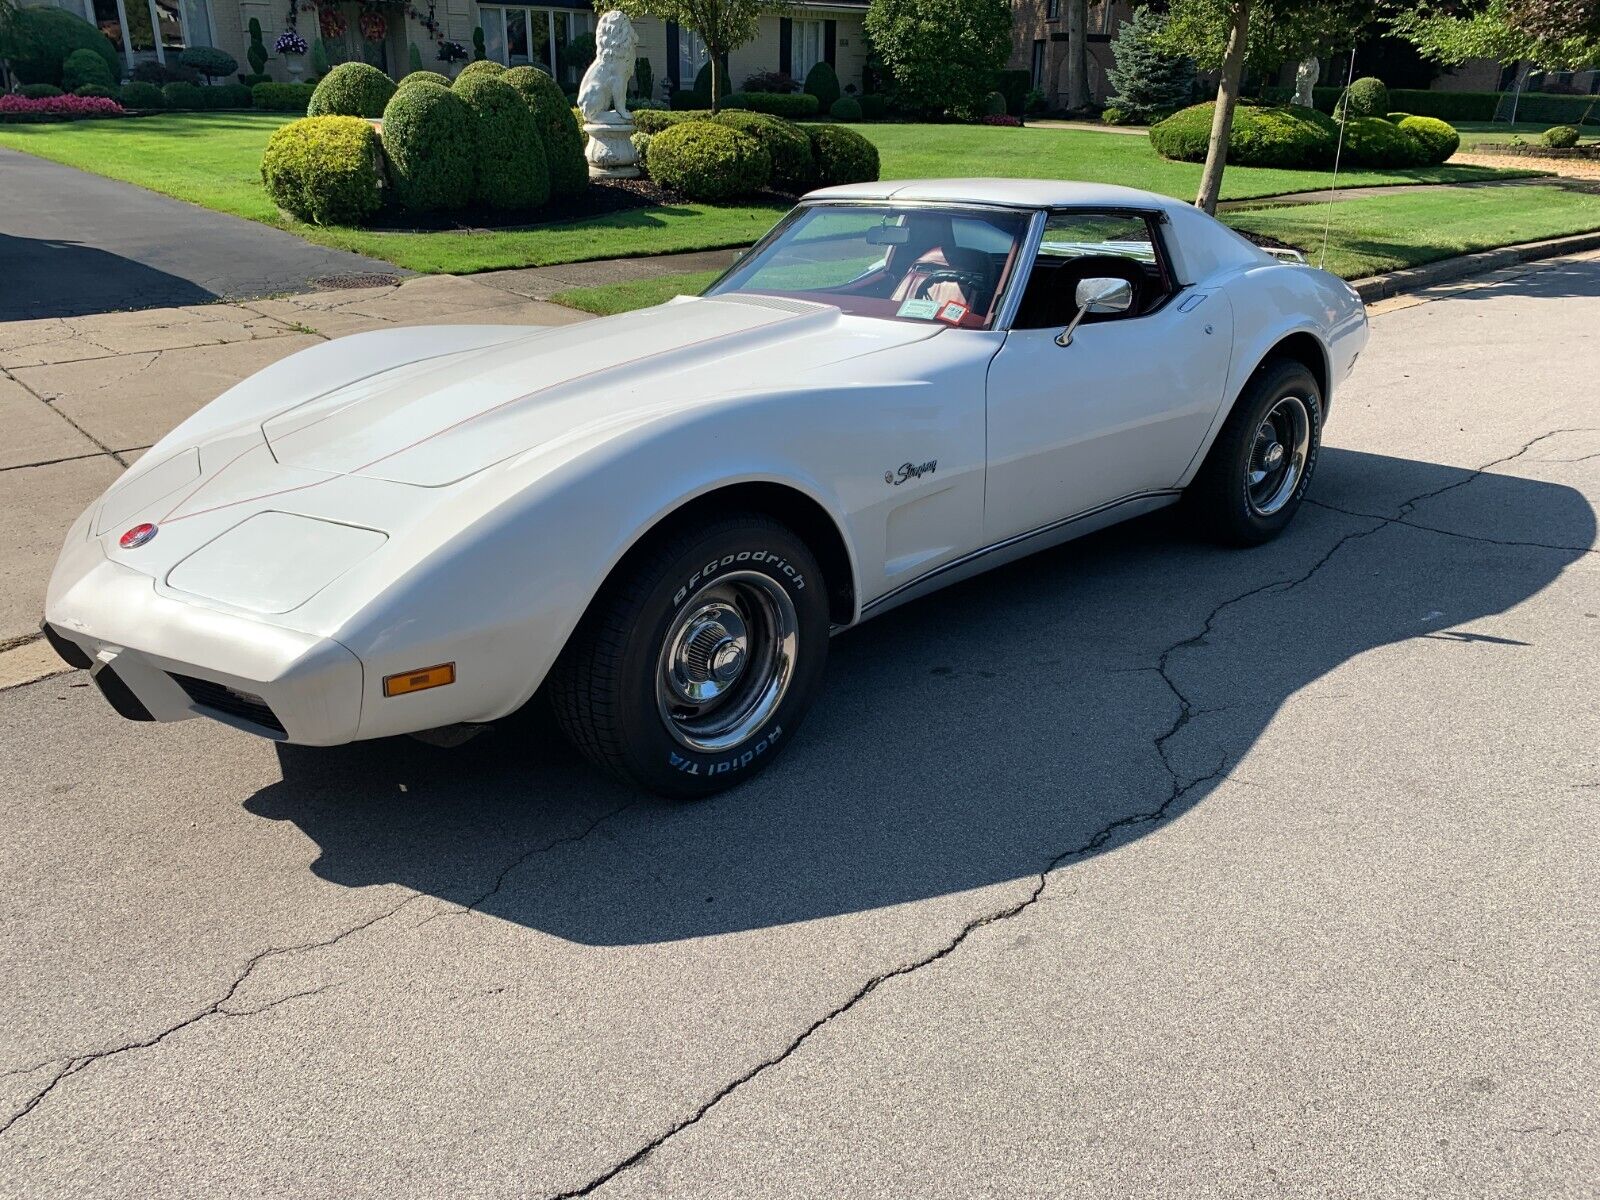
x=1101, y=296
x=888, y=235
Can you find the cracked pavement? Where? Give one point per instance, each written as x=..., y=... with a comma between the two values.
x=1140, y=868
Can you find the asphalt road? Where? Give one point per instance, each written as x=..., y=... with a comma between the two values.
x=1141, y=868
x=84, y=243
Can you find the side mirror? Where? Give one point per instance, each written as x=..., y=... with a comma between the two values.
x=1100, y=296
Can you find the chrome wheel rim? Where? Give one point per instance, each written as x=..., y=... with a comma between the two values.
x=726, y=661
x=1278, y=456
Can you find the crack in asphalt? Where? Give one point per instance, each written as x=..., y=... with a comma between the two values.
x=50, y=407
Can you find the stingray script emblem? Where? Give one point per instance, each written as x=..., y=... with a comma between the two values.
x=911, y=471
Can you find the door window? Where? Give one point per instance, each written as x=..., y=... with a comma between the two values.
x=1084, y=245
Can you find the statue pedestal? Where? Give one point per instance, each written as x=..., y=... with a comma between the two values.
x=610, y=151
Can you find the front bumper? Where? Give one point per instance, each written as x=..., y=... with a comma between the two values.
x=174, y=660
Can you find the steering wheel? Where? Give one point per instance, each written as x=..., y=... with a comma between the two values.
x=970, y=283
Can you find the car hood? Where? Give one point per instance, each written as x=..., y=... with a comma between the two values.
x=433, y=422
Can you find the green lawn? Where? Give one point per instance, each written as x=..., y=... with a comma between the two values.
x=1474, y=133
x=1417, y=227
x=212, y=159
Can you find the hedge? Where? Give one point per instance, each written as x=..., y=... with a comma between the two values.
x=794, y=167
x=1262, y=137
x=563, y=139
x=1460, y=106
x=83, y=68
x=142, y=95
x=1015, y=85
x=36, y=42
x=709, y=162
x=823, y=83
x=1438, y=139
x=324, y=170
x=654, y=120
x=282, y=97
x=792, y=107
x=874, y=107
x=184, y=96
x=428, y=136
x=39, y=91
x=1373, y=142
x=352, y=89
x=843, y=155
x=509, y=168
x=226, y=95
x=95, y=90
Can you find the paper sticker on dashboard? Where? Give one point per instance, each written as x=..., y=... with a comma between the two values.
x=952, y=312
x=922, y=310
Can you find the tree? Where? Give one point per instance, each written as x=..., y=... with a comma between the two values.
x=723, y=25
x=1225, y=35
x=1077, y=54
x=1554, y=34
x=1147, y=80
x=943, y=54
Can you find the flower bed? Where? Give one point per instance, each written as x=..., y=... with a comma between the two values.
x=58, y=108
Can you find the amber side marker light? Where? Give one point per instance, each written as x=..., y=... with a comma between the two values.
x=419, y=681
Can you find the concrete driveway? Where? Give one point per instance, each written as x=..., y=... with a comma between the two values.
x=73, y=243
x=1141, y=868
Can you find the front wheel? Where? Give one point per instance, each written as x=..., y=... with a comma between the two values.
x=696, y=663
x=1253, y=480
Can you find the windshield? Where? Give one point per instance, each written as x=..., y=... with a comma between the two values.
x=947, y=266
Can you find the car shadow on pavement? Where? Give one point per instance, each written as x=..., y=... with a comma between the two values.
x=969, y=739
x=71, y=279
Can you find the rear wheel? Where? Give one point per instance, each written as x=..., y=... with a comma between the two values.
x=1253, y=480
x=695, y=665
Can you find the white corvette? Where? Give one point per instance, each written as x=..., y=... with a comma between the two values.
x=657, y=518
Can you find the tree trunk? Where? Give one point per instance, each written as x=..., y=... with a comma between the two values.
x=1227, y=98
x=716, y=92
x=1077, y=54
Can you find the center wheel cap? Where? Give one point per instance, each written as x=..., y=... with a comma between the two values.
x=709, y=654
x=1273, y=456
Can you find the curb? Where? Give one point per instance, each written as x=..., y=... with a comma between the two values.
x=1411, y=279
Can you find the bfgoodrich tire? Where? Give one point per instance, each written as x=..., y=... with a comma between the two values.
x=1255, y=476
x=694, y=667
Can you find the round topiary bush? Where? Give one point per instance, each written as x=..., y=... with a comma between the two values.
x=794, y=167
x=994, y=105
x=39, y=91
x=94, y=89
x=324, y=170
x=509, y=168
x=426, y=77
x=1367, y=97
x=843, y=155
x=1560, y=137
x=83, y=68
x=428, y=138
x=483, y=66
x=1261, y=137
x=210, y=62
x=142, y=95
x=822, y=81
x=1116, y=116
x=1395, y=118
x=1373, y=142
x=1438, y=139
x=185, y=97
x=709, y=162
x=36, y=41
x=352, y=89
x=563, y=139
x=845, y=108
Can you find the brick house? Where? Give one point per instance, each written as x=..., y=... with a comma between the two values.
x=1039, y=44
x=514, y=34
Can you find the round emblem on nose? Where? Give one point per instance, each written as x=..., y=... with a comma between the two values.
x=138, y=536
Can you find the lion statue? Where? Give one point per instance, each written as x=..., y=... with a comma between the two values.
x=605, y=83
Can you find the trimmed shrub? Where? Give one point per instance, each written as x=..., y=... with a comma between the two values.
x=142, y=95
x=185, y=97
x=1395, y=118
x=228, y=95
x=1117, y=116
x=1437, y=139
x=654, y=120
x=210, y=62
x=641, y=149
x=39, y=91
x=413, y=57
x=1560, y=137
x=250, y=81
x=95, y=89
x=823, y=83
x=480, y=66
x=320, y=64
x=423, y=76
x=37, y=41
x=1373, y=142
x=644, y=79
x=792, y=107
x=281, y=97
x=700, y=95
x=843, y=155
x=1015, y=85
x=85, y=68
x=324, y=170
x=777, y=82
x=1261, y=137
x=874, y=107
x=159, y=74
x=848, y=108
x=256, y=55
x=794, y=168
x=558, y=129
x=709, y=162
x=1366, y=97
x=480, y=52
x=509, y=168
x=994, y=105
x=351, y=89
x=428, y=139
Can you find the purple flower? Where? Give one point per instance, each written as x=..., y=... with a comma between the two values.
x=290, y=42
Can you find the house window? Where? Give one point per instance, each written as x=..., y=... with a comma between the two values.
x=692, y=55
x=1052, y=10
x=518, y=36
x=810, y=48
x=1038, y=63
